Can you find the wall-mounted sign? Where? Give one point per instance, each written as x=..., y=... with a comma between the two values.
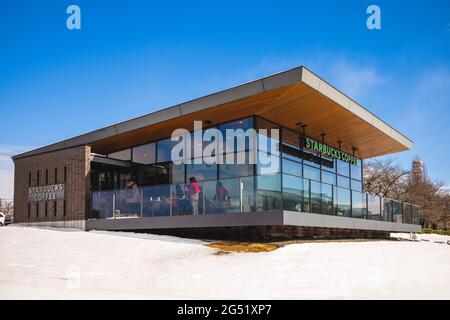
x=45, y=193
x=329, y=151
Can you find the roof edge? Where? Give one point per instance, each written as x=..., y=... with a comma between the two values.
x=261, y=85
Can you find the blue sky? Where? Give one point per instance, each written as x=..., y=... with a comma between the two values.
x=134, y=57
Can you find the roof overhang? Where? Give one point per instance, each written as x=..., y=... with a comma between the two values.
x=288, y=98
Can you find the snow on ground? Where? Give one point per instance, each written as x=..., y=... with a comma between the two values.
x=71, y=264
x=436, y=238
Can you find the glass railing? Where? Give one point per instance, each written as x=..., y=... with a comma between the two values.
x=263, y=193
x=234, y=195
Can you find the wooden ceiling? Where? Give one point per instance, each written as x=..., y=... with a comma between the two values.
x=288, y=106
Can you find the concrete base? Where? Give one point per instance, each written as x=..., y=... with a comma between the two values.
x=75, y=224
x=267, y=224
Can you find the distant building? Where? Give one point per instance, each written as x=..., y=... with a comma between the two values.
x=418, y=170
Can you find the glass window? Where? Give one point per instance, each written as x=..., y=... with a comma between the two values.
x=291, y=167
x=291, y=152
x=268, y=137
x=356, y=171
x=227, y=195
x=306, y=195
x=124, y=155
x=108, y=177
x=247, y=185
x=164, y=150
x=145, y=154
x=329, y=178
x=156, y=201
x=199, y=146
x=164, y=173
x=328, y=164
x=181, y=204
x=373, y=207
x=327, y=199
x=102, y=205
x=145, y=175
x=343, y=202
x=292, y=193
x=290, y=145
x=387, y=210
x=311, y=173
x=343, y=168
x=356, y=185
x=358, y=205
x=415, y=215
x=268, y=188
x=243, y=124
x=397, y=211
x=178, y=173
x=316, y=197
x=236, y=170
x=343, y=182
x=267, y=164
x=222, y=196
x=201, y=171
x=407, y=213
x=311, y=159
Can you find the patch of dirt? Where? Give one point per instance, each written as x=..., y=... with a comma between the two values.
x=227, y=247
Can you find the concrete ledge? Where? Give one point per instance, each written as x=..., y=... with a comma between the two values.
x=323, y=221
x=277, y=218
x=75, y=224
x=188, y=221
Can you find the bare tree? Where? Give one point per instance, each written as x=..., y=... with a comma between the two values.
x=385, y=178
x=6, y=207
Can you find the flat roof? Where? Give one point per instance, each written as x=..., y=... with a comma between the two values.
x=288, y=98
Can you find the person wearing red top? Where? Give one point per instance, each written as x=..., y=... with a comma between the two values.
x=193, y=192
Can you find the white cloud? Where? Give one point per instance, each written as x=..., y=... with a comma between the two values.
x=353, y=78
x=446, y=188
x=428, y=101
x=7, y=169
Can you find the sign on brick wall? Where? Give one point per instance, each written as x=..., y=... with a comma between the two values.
x=45, y=193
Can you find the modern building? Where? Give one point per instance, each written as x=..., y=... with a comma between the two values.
x=122, y=177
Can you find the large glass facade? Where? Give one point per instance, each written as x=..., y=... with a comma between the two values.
x=143, y=181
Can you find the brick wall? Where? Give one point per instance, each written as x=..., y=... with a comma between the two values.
x=77, y=163
x=281, y=232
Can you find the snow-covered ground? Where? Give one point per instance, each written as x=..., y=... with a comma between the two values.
x=72, y=264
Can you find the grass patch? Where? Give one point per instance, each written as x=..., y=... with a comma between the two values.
x=440, y=232
x=227, y=247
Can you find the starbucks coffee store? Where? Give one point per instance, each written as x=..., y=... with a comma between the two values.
x=287, y=151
